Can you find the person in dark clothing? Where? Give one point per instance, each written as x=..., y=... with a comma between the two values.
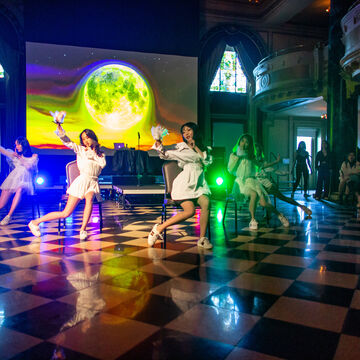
x=324, y=165
x=302, y=161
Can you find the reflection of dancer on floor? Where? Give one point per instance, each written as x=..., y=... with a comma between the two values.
x=90, y=161
x=242, y=163
x=302, y=166
x=267, y=182
x=24, y=166
x=189, y=187
x=89, y=301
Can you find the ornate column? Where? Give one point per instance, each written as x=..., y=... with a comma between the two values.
x=341, y=108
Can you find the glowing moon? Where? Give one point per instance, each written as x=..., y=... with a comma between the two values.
x=116, y=96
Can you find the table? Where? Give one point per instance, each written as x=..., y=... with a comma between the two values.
x=136, y=162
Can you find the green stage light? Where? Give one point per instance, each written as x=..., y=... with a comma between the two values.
x=219, y=215
x=219, y=180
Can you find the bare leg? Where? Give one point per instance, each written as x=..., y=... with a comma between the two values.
x=87, y=210
x=275, y=191
x=204, y=203
x=189, y=211
x=268, y=206
x=252, y=204
x=4, y=198
x=16, y=200
x=69, y=208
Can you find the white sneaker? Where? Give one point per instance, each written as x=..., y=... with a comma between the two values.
x=284, y=220
x=204, y=243
x=5, y=220
x=154, y=235
x=83, y=235
x=253, y=225
x=34, y=229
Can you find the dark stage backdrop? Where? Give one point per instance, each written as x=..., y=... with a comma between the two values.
x=156, y=26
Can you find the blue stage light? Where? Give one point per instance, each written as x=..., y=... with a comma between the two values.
x=40, y=180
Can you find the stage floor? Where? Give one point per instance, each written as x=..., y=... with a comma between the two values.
x=268, y=294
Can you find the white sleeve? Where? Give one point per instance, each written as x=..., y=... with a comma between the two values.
x=67, y=142
x=167, y=154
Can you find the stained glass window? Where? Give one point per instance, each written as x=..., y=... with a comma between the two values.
x=229, y=76
x=1, y=72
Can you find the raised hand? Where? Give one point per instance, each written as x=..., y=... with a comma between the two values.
x=58, y=117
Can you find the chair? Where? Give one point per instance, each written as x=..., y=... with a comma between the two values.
x=231, y=198
x=171, y=170
x=72, y=172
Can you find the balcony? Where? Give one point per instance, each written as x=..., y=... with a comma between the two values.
x=350, y=25
x=290, y=77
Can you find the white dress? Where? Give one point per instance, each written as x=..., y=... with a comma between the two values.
x=190, y=183
x=22, y=175
x=90, y=166
x=246, y=181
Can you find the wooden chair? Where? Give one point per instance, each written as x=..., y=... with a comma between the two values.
x=171, y=170
x=72, y=172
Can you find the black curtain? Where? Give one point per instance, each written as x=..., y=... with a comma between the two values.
x=12, y=58
x=207, y=72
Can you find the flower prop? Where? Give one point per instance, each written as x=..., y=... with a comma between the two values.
x=159, y=132
x=58, y=116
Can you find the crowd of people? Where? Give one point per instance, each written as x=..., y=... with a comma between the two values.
x=246, y=163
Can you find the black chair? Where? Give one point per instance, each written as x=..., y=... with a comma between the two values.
x=171, y=170
x=72, y=172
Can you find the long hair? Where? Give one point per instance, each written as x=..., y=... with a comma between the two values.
x=92, y=136
x=259, y=152
x=301, y=143
x=251, y=150
x=347, y=159
x=26, y=149
x=197, y=137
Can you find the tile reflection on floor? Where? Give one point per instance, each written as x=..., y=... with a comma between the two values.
x=275, y=293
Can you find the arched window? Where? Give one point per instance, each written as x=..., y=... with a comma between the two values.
x=2, y=74
x=229, y=76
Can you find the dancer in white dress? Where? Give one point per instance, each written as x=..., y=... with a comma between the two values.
x=20, y=180
x=242, y=164
x=189, y=187
x=90, y=161
x=267, y=182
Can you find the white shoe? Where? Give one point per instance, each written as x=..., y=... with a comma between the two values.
x=34, y=229
x=253, y=225
x=284, y=220
x=83, y=235
x=154, y=235
x=5, y=220
x=204, y=243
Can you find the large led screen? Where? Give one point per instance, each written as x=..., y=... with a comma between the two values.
x=118, y=94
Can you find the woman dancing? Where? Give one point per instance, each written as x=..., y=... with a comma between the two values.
x=267, y=182
x=21, y=178
x=189, y=187
x=242, y=164
x=90, y=161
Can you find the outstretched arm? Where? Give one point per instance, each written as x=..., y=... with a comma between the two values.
x=60, y=132
x=6, y=152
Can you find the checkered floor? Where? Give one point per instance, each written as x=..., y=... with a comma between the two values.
x=271, y=294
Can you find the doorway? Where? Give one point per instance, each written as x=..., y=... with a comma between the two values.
x=312, y=138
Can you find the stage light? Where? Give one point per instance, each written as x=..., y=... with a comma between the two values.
x=40, y=180
x=219, y=215
x=219, y=180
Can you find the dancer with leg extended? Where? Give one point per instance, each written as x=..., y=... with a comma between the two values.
x=189, y=187
x=302, y=163
x=242, y=164
x=90, y=161
x=267, y=182
x=20, y=180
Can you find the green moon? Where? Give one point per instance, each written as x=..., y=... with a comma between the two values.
x=117, y=97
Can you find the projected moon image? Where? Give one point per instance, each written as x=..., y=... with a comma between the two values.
x=117, y=97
